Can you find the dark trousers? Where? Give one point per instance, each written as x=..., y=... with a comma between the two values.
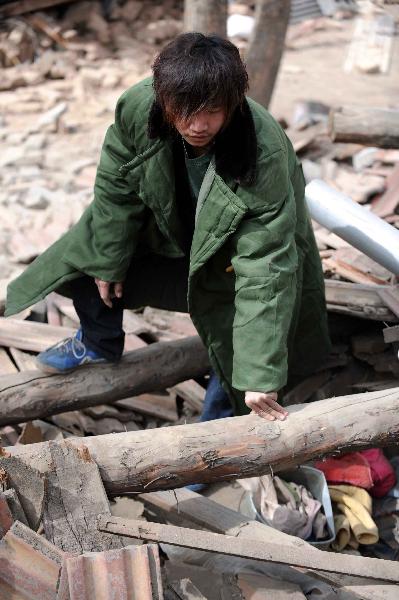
x=152, y=280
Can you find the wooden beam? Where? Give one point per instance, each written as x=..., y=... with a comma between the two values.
x=28, y=335
x=368, y=126
x=236, y=447
x=370, y=568
x=20, y=7
x=32, y=394
x=186, y=508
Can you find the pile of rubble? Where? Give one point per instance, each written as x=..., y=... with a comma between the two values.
x=67, y=492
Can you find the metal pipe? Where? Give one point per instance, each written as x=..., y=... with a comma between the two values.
x=354, y=223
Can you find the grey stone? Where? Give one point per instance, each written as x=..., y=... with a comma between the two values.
x=11, y=155
x=52, y=116
x=29, y=173
x=38, y=198
x=36, y=141
x=16, y=137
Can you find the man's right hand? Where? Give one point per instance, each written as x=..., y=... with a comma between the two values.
x=104, y=289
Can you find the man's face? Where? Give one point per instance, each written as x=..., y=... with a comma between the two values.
x=200, y=129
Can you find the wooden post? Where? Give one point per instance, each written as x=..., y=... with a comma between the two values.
x=266, y=47
x=206, y=16
x=369, y=126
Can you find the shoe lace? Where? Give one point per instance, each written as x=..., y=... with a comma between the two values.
x=71, y=344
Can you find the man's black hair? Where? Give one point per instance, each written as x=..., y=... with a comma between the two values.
x=197, y=71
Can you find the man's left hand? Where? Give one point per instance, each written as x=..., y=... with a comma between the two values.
x=265, y=405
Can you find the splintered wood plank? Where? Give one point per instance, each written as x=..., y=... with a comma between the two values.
x=192, y=392
x=23, y=360
x=350, y=272
x=28, y=335
x=6, y=365
x=184, y=507
x=74, y=497
x=371, y=568
x=359, y=300
x=65, y=307
x=160, y=406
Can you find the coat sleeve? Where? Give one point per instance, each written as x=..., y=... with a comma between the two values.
x=105, y=238
x=265, y=262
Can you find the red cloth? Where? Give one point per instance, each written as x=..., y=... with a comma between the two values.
x=382, y=473
x=350, y=468
x=368, y=469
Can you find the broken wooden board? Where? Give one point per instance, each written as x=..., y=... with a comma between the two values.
x=7, y=367
x=154, y=405
x=347, y=271
x=192, y=392
x=23, y=360
x=359, y=300
x=74, y=497
x=28, y=335
x=29, y=484
x=186, y=508
x=370, y=568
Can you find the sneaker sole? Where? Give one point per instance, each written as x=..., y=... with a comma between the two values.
x=52, y=370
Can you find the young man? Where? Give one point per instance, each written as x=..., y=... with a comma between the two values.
x=199, y=206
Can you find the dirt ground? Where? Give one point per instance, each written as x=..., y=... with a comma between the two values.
x=313, y=69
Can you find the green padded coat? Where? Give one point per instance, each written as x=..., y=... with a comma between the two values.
x=263, y=321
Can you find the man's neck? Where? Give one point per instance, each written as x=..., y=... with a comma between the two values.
x=196, y=151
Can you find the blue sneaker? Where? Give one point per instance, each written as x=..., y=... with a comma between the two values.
x=67, y=355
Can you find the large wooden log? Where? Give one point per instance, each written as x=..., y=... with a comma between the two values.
x=32, y=394
x=369, y=126
x=235, y=447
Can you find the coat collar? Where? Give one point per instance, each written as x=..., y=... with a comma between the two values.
x=235, y=146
